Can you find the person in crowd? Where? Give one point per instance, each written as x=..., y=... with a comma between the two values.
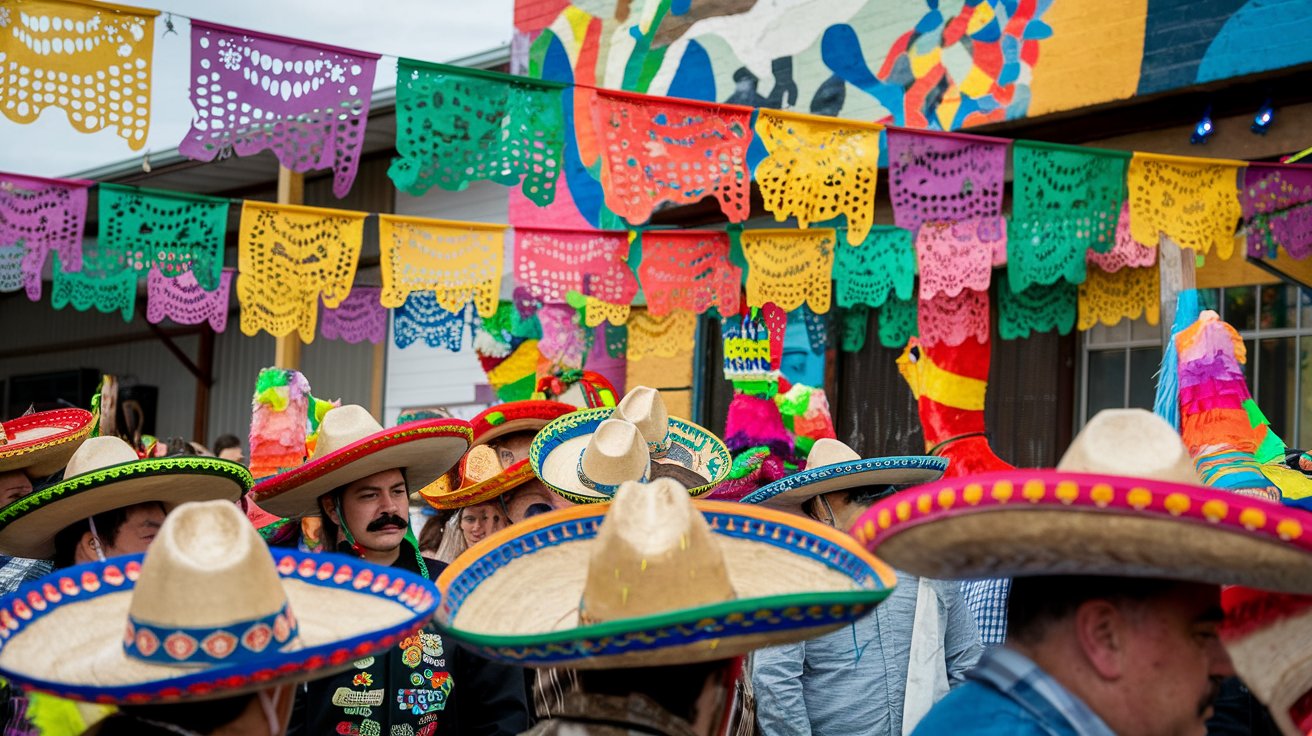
x=882, y=674
x=358, y=483
x=430, y=535
x=229, y=447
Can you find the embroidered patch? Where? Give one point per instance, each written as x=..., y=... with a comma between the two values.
x=412, y=656
x=345, y=697
x=360, y=664
x=418, y=701
x=363, y=679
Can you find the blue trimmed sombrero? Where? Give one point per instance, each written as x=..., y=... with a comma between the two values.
x=208, y=612
x=833, y=466
x=655, y=578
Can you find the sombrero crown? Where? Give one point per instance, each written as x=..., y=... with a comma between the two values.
x=207, y=613
x=105, y=474
x=1267, y=636
x=1124, y=501
x=41, y=443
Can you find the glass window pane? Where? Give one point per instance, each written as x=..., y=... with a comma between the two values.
x=1106, y=380
x=1144, y=363
x=1277, y=398
x=1305, y=401
x=1209, y=299
x=1305, y=299
x=1141, y=330
x=1240, y=307
x=1279, y=306
x=1250, y=346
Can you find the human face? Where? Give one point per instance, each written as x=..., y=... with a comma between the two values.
x=477, y=522
x=232, y=453
x=531, y=499
x=13, y=486
x=513, y=447
x=138, y=530
x=1174, y=662
x=376, y=510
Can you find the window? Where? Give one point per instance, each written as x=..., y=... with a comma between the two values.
x=1120, y=363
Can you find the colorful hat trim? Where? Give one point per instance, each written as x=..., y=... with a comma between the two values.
x=721, y=627
x=806, y=484
x=1054, y=502
x=472, y=495
x=516, y=416
x=20, y=610
x=55, y=435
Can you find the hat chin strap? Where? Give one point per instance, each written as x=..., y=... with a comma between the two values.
x=359, y=551
x=95, y=537
x=269, y=704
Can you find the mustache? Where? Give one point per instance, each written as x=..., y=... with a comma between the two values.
x=386, y=520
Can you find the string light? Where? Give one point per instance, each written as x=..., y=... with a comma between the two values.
x=1204, y=129
x=1265, y=116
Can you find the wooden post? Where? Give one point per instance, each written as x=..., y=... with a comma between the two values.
x=287, y=349
x=376, y=388
x=204, y=361
x=1176, y=267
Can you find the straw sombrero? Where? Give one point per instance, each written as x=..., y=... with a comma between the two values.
x=557, y=453
x=208, y=613
x=578, y=388
x=833, y=466
x=480, y=477
x=655, y=578
x=1267, y=636
x=1152, y=518
x=353, y=445
x=40, y=444
x=105, y=474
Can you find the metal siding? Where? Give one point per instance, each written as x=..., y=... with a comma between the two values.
x=237, y=363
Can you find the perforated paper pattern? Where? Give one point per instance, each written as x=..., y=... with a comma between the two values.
x=657, y=149
x=174, y=232
x=11, y=267
x=564, y=342
x=661, y=336
x=551, y=263
x=1277, y=206
x=456, y=126
x=45, y=215
x=597, y=312
x=943, y=177
x=289, y=257
x=817, y=329
x=461, y=262
x=108, y=293
x=688, y=270
x=1040, y=308
x=422, y=318
x=1064, y=203
x=818, y=169
x=1108, y=298
x=358, y=318
x=951, y=320
x=855, y=322
x=898, y=322
x=1195, y=203
x=953, y=256
x=789, y=267
x=183, y=300
x=90, y=59
x=869, y=272
x=252, y=92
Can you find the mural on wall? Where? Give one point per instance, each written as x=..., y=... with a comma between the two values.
x=938, y=64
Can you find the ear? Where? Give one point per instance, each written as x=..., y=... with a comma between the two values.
x=86, y=548
x=1100, y=629
x=328, y=507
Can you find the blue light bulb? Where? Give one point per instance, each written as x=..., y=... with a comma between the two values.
x=1262, y=121
x=1204, y=129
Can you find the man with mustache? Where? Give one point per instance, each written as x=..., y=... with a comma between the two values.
x=358, y=482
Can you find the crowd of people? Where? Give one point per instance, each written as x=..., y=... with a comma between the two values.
x=584, y=563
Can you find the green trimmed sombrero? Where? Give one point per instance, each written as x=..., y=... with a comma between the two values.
x=655, y=578
x=106, y=474
x=833, y=466
x=41, y=444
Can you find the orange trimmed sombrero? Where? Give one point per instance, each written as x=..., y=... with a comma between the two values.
x=1153, y=518
x=1267, y=636
x=41, y=444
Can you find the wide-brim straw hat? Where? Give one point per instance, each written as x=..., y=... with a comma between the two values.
x=833, y=466
x=1267, y=636
x=353, y=445
x=530, y=415
x=105, y=474
x=1151, y=518
x=655, y=578
x=40, y=444
x=208, y=612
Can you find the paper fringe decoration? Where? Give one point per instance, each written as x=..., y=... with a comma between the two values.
x=789, y=267
x=951, y=320
x=1127, y=252
x=564, y=343
x=11, y=267
x=944, y=177
x=306, y=102
x=115, y=292
x=358, y=318
x=551, y=263
x=1107, y=298
x=422, y=318
x=1195, y=203
x=688, y=270
x=44, y=215
x=1277, y=206
x=1039, y=308
x=899, y=321
x=869, y=272
x=955, y=256
x=185, y=301
x=461, y=262
x=656, y=336
x=173, y=232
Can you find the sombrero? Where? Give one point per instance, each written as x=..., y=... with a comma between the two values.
x=105, y=474
x=833, y=466
x=480, y=477
x=1267, y=636
x=655, y=578
x=40, y=444
x=557, y=452
x=1151, y=519
x=578, y=388
x=208, y=613
x=353, y=445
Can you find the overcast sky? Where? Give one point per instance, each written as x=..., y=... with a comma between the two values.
x=433, y=30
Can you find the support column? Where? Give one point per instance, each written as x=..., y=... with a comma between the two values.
x=287, y=349
x=1177, y=269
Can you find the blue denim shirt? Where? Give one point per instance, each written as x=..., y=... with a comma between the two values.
x=1008, y=694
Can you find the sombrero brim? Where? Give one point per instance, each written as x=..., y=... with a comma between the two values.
x=796, y=579
x=555, y=453
x=804, y=485
x=425, y=449
x=1264, y=635
x=1043, y=522
x=63, y=634
x=472, y=495
x=28, y=526
x=49, y=439
x=516, y=416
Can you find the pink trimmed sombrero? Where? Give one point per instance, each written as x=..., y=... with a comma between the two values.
x=40, y=444
x=1152, y=519
x=353, y=445
x=1269, y=639
x=516, y=416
